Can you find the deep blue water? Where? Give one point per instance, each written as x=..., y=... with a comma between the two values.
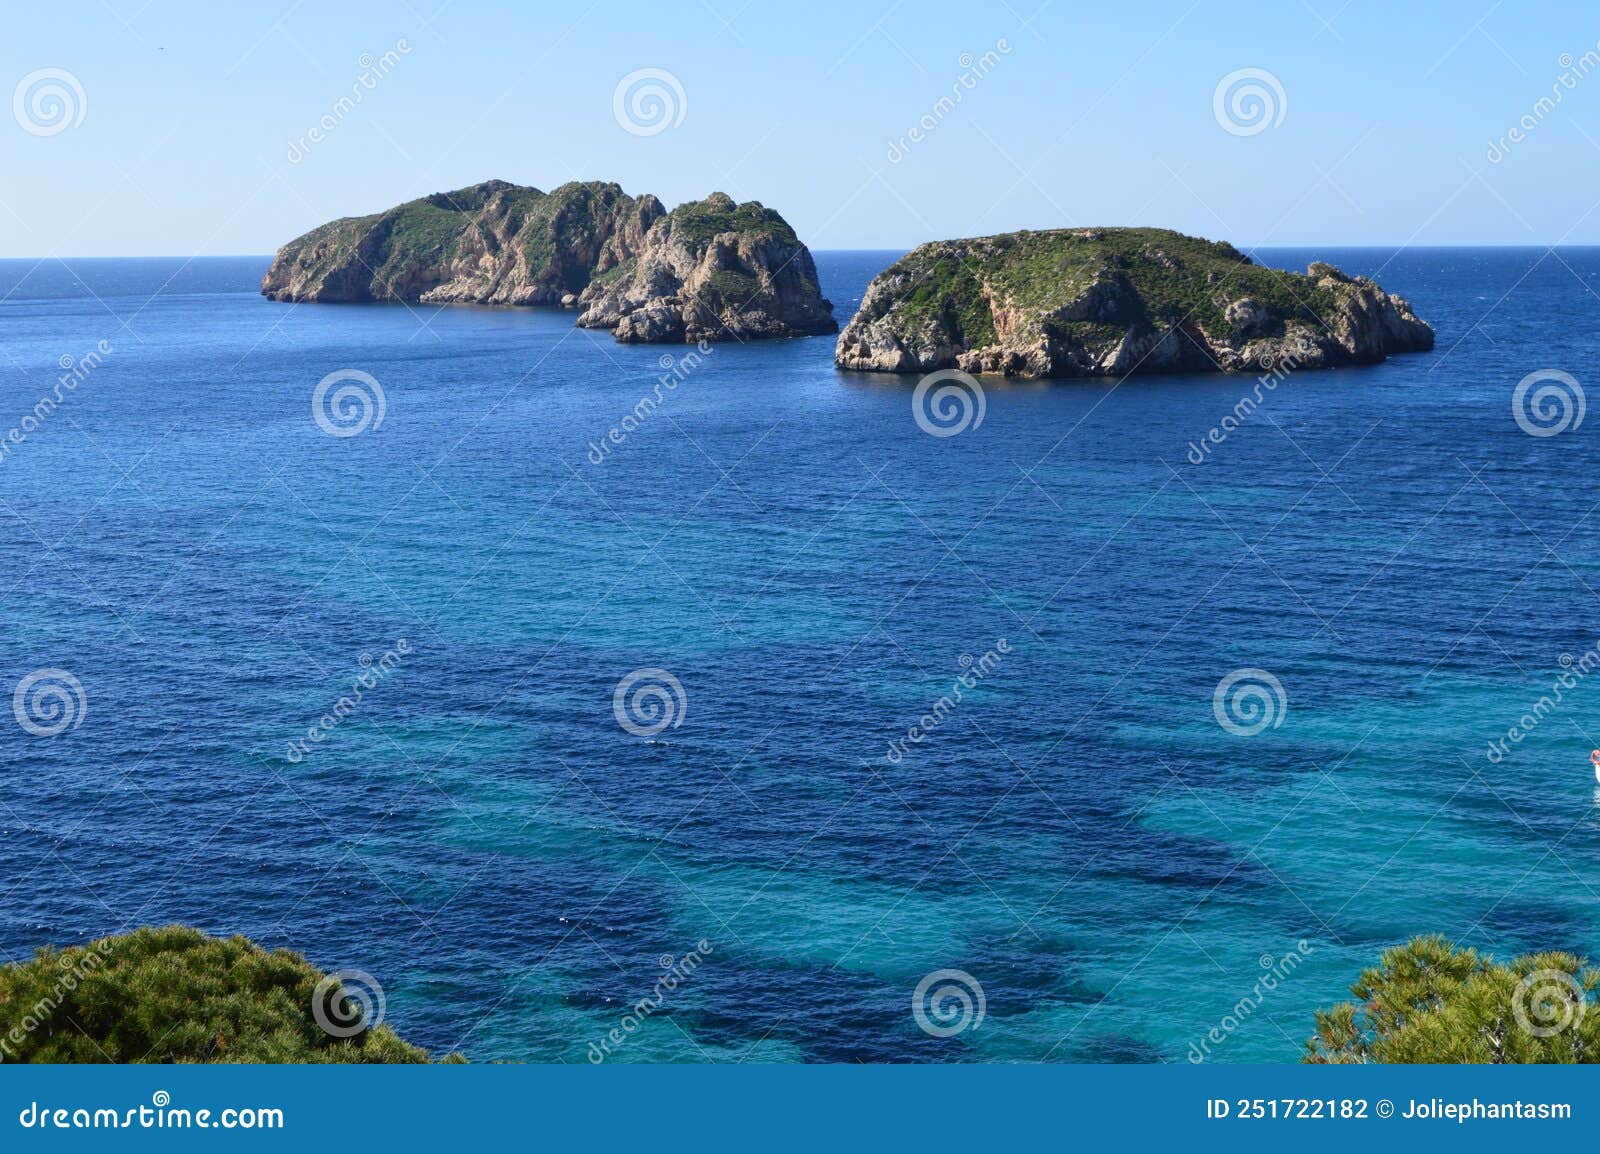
x=1080, y=834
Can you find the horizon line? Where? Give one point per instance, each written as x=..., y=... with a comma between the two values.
x=1377, y=246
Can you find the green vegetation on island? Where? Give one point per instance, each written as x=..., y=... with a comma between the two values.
x=712, y=269
x=1113, y=301
x=708, y=270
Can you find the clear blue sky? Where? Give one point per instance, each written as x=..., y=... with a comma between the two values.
x=1098, y=114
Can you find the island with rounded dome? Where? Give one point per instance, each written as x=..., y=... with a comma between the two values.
x=1110, y=302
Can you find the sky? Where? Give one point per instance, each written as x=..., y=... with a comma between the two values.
x=187, y=129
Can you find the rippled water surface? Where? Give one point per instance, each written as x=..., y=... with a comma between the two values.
x=1079, y=834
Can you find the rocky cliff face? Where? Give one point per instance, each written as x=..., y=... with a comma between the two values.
x=1114, y=301
x=493, y=243
x=709, y=270
x=712, y=269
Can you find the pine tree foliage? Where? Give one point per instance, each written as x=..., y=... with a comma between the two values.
x=173, y=994
x=1428, y=1001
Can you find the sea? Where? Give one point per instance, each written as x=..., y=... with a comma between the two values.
x=589, y=702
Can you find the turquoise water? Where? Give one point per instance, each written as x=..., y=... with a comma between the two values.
x=1079, y=835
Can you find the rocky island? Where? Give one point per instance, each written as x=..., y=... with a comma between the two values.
x=1113, y=301
x=708, y=270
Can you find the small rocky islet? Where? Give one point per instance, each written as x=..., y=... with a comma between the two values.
x=1101, y=302
x=709, y=270
x=1083, y=302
